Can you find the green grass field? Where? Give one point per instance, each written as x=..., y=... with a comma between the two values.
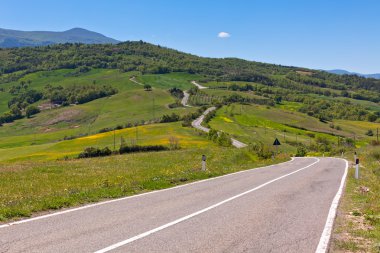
x=250, y=123
x=30, y=187
x=357, y=227
x=156, y=134
x=131, y=105
x=38, y=169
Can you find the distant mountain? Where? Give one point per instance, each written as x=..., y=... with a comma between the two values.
x=14, y=38
x=345, y=72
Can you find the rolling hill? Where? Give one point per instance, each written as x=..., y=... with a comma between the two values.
x=310, y=111
x=14, y=38
x=345, y=72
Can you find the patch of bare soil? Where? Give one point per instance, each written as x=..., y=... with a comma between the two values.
x=47, y=106
x=64, y=116
x=305, y=73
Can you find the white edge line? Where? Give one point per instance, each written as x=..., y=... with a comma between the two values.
x=133, y=196
x=326, y=234
x=147, y=233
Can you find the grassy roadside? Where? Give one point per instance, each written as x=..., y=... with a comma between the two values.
x=357, y=226
x=30, y=187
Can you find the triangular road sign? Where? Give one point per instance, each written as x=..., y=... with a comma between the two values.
x=276, y=142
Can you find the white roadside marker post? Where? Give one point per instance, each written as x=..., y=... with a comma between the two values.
x=203, y=162
x=357, y=168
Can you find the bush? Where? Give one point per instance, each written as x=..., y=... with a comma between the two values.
x=147, y=87
x=261, y=150
x=137, y=148
x=369, y=132
x=31, y=110
x=212, y=135
x=175, y=92
x=224, y=140
x=173, y=143
x=301, y=151
x=95, y=152
x=170, y=118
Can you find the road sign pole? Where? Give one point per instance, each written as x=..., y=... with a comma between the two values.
x=203, y=162
x=357, y=169
x=276, y=143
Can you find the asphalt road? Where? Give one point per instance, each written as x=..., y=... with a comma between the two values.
x=185, y=99
x=280, y=208
x=197, y=123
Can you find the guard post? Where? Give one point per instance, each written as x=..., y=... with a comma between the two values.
x=203, y=162
x=357, y=168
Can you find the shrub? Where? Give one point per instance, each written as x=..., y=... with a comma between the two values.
x=170, y=118
x=175, y=92
x=261, y=150
x=212, y=135
x=369, y=132
x=224, y=140
x=173, y=143
x=31, y=110
x=147, y=87
x=95, y=152
x=301, y=151
x=137, y=148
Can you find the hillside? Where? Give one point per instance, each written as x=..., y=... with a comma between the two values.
x=14, y=38
x=61, y=101
x=345, y=72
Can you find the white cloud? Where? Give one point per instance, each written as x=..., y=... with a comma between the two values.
x=224, y=35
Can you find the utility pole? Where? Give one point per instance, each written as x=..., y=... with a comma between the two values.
x=137, y=134
x=154, y=115
x=377, y=134
x=114, y=140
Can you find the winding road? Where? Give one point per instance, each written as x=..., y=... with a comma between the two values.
x=197, y=123
x=287, y=207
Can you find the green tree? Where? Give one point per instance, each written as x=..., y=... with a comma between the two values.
x=31, y=110
x=147, y=87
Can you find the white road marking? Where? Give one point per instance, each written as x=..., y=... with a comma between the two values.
x=129, y=197
x=326, y=234
x=147, y=233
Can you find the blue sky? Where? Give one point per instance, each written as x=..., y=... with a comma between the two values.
x=317, y=34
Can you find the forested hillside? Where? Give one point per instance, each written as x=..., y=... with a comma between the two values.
x=315, y=89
